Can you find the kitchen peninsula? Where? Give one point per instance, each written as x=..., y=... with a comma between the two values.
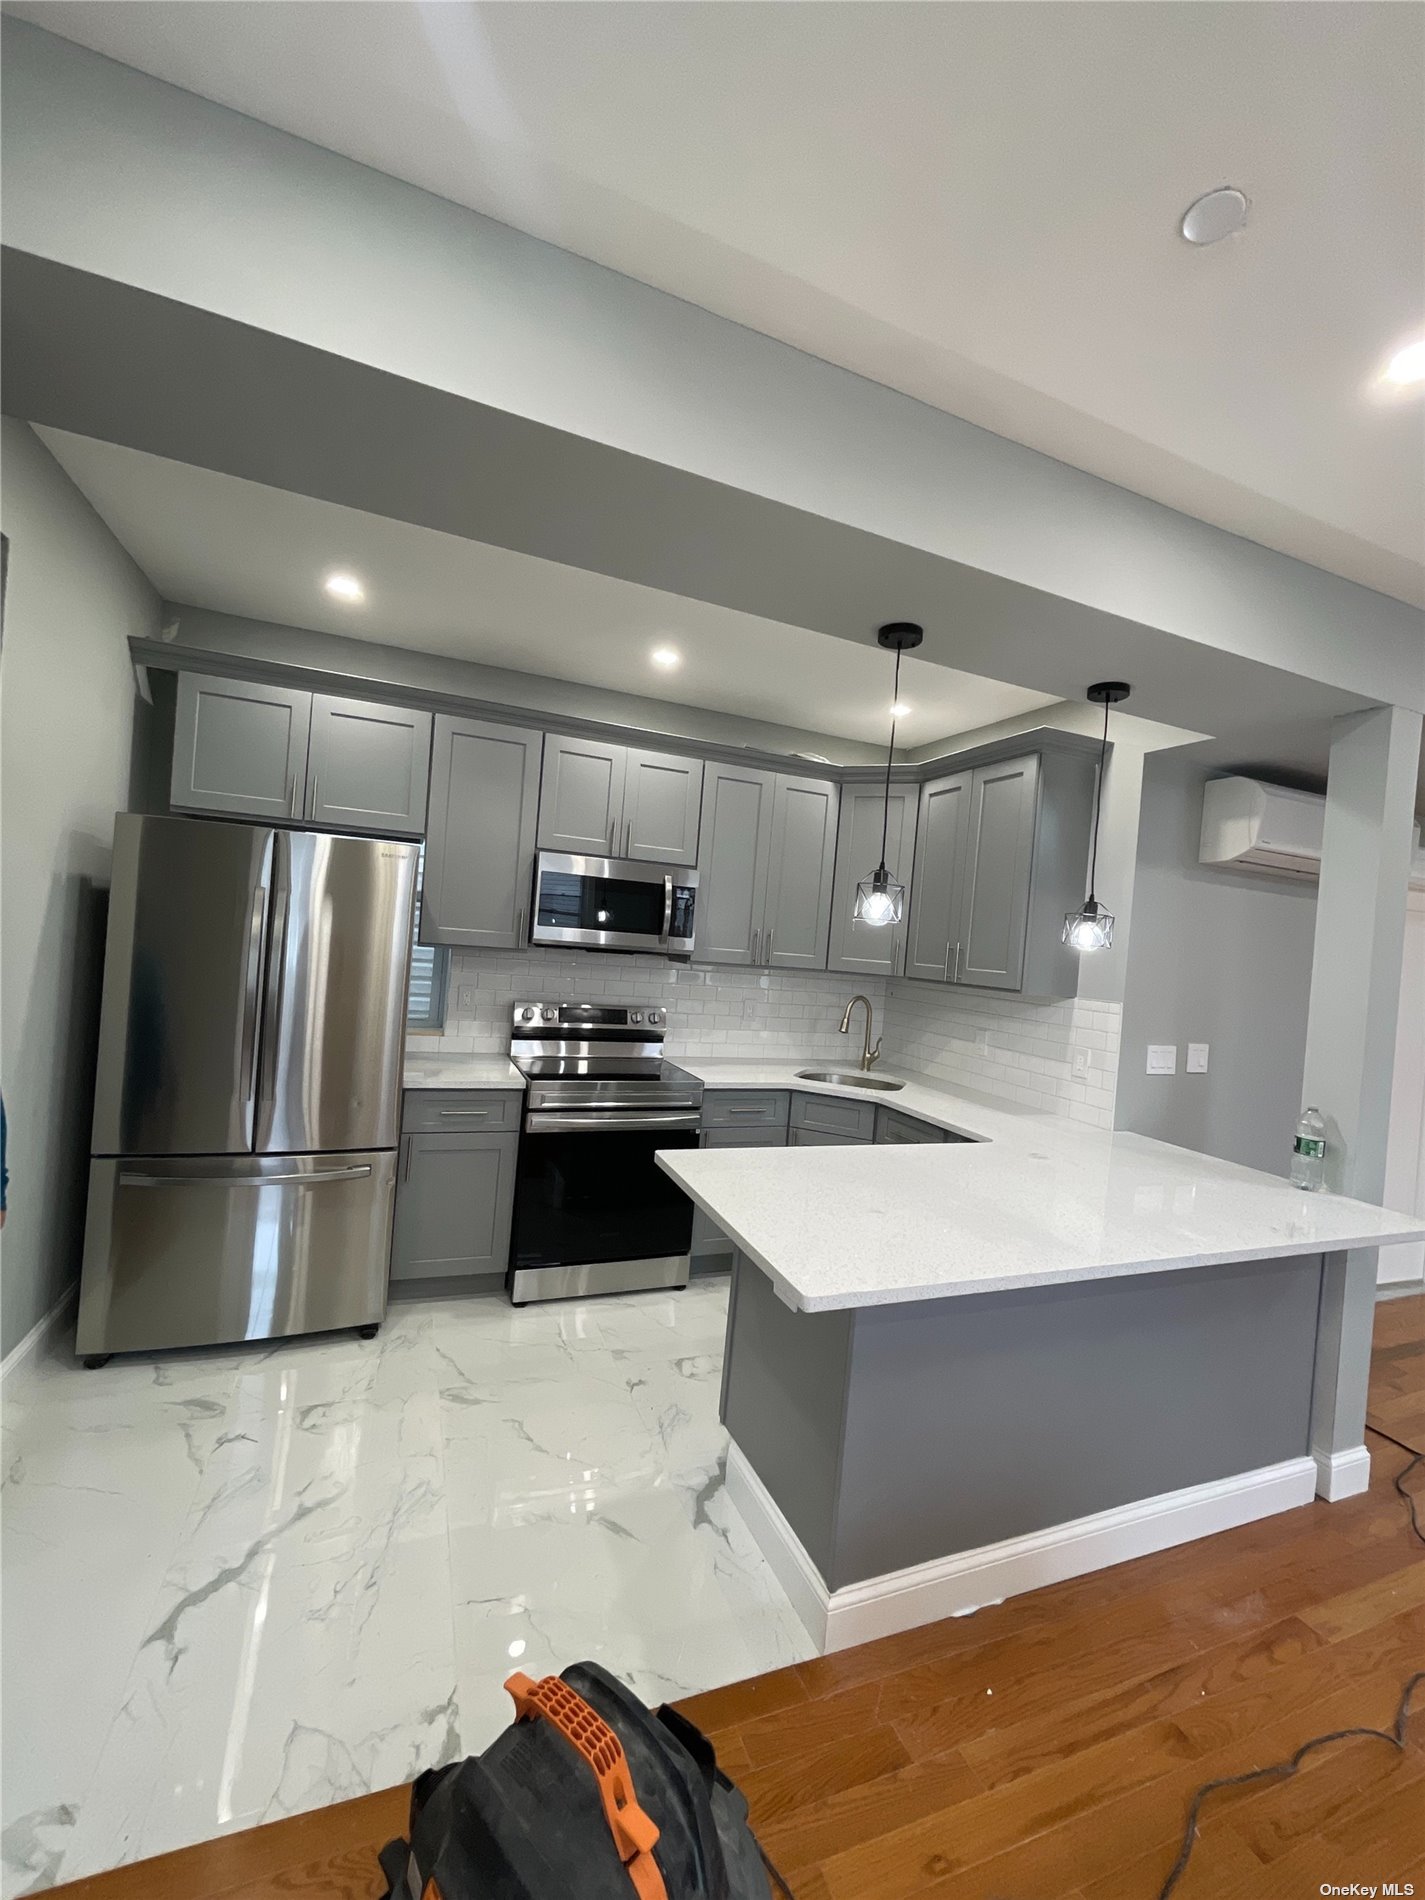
x=959, y=1369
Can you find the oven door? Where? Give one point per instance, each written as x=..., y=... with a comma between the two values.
x=613, y=903
x=592, y=1203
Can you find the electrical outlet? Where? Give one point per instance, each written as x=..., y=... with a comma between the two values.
x=1162, y=1058
x=465, y=998
x=1197, y=1058
x=1080, y=1062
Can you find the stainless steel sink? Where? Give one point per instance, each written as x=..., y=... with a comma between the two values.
x=851, y=1079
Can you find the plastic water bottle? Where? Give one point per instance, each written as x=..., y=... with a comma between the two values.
x=1308, y=1151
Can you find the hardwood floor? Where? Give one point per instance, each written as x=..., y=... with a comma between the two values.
x=1048, y=1748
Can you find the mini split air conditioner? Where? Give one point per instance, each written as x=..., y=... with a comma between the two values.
x=1249, y=826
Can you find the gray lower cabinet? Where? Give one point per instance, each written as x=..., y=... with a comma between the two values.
x=368, y=766
x=735, y=1118
x=599, y=799
x=239, y=748
x=1001, y=853
x=832, y=1115
x=454, y=1197
x=894, y=1130
x=479, y=865
x=859, y=948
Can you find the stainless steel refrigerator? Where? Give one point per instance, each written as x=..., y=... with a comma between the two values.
x=247, y=1102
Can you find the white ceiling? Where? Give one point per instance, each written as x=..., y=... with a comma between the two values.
x=976, y=204
x=210, y=540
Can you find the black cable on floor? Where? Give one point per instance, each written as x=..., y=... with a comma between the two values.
x=1280, y=1770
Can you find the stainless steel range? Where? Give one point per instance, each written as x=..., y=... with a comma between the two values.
x=593, y=1211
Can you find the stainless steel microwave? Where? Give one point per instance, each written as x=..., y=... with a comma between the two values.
x=613, y=903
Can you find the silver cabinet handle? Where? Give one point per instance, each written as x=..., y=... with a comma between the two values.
x=313, y=1179
x=409, y=1145
x=627, y=837
x=312, y=801
x=749, y=1114
x=756, y=940
x=458, y=1114
x=292, y=797
x=956, y=977
x=770, y=935
x=945, y=977
x=613, y=826
x=519, y=926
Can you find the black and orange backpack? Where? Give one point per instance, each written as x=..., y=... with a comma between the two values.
x=589, y=1795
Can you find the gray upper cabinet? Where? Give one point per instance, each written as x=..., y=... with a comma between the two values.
x=860, y=948
x=367, y=766
x=999, y=861
x=454, y=1199
x=611, y=801
x=797, y=910
x=732, y=863
x=942, y=832
x=662, y=803
x=581, y=796
x=239, y=748
x=484, y=796
x=1000, y=856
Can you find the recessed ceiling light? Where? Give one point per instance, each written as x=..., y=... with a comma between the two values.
x=666, y=657
x=1216, y=215
x=899, y=710
x=1407, y=366
x=343, y=586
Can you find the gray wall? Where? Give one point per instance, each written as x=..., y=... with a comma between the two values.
x=1221, y=957
x=67, y=708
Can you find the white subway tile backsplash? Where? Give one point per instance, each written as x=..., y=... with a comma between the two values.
x=998, y=1046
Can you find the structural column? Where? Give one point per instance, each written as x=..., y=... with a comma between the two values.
x=1350, y=1046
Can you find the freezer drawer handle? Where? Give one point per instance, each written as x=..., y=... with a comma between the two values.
x=246, y=1180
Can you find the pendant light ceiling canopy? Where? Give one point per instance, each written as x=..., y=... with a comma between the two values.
x=880, y=899
x=1090, y=927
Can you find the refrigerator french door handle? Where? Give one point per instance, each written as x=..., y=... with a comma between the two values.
x=275, y=986
x=310, y=1178
x=252, y=996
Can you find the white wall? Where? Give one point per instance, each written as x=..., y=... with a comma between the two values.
x=1221, y=957
x=1405, y=1149
x=66, y=720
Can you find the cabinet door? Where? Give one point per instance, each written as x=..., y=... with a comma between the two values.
x=484, y=796
x=800, y=865
x=662, y=801
x=857, y=947
x=708, y=1237
x=735, y=845
x=368, y=766
x=581, y=796
x=453, y=1202
x=941, y=834
x=822, y=1138
x=239, y=748
x=1000, y=862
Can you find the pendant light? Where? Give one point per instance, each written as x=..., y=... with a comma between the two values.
x=879, y=898
x=1090, y=927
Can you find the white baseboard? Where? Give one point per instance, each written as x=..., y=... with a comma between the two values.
x=17, y=1355
x=1342, y=1474
x=952, y=1586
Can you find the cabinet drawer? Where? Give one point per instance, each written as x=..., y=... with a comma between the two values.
x=823, y=1138
x=449, y=1111
x=745, y=1108
x=891, y=1126
x=825, y=1114
x=743, y=1138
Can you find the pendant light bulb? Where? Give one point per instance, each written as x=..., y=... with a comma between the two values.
x=1090, y=927
x=880, y=900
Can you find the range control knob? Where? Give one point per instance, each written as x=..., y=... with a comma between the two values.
x=527, y=1015
x=636, y=1016
x=550, y=1015
x=655, y=1015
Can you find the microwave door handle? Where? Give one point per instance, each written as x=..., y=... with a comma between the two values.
x=667, y=907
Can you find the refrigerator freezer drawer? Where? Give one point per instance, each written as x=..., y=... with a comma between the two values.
x=205, y=1252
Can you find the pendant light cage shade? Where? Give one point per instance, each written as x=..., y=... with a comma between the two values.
x=1090, y=927
x=879, y=899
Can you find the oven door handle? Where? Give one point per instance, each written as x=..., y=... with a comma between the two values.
x=601, y=1121
x=667, y=907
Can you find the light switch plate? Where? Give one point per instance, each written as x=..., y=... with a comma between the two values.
x=1162, y=1058
x=1197, y=1058
x=1080, y=1062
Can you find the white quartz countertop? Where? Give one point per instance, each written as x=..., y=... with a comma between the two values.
x=1033, y=1200
x=460, y=1072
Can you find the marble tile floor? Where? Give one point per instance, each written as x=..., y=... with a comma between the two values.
x=237, y=1585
